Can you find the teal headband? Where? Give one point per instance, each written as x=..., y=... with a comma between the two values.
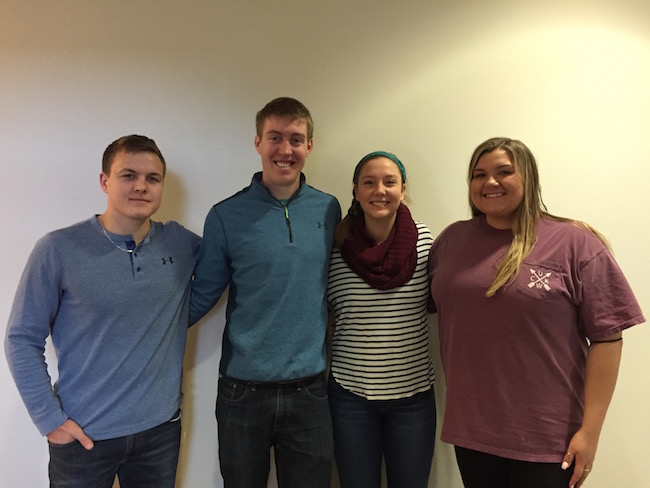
x=378, y=154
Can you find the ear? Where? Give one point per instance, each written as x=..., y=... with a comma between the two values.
x=257, y=144
x=103, y=179
x=401, y=197
x=310, y=146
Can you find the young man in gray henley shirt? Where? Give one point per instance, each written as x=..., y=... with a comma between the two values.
x=113, y=293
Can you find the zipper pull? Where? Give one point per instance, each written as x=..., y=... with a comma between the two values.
x=286, y=218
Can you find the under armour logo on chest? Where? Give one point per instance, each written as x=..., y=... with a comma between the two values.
x=169, y=260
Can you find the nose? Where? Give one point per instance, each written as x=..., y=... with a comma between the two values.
x=141, y=185
x=285, y=147
x=491, y=181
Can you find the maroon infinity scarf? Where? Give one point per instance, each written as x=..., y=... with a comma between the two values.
x=386, y=265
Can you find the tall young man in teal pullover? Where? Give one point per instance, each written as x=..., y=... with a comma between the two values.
x=270, y=244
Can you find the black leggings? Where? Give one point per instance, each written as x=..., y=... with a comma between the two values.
x=481, y=470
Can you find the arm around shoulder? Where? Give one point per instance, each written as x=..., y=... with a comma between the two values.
x=212, y=273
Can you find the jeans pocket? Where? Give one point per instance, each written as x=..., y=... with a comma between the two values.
x=62, y=446
x=231, y=391
x=317, y=390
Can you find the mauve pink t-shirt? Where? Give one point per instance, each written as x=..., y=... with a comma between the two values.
x=515, y=363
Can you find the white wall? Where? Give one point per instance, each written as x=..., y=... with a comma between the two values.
x=426, y=80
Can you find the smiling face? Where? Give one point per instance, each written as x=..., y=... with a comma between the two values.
x=284, y=147
x=134, y=186
x=496, y=189
x=380, y=190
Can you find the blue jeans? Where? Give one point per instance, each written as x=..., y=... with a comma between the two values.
x=482, y=470
x=402, y=431
x=144, y=460
x=293, y=419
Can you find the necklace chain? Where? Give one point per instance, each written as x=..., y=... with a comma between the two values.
x=101, y=224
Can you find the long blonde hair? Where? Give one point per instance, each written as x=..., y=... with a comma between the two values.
x=531, y=209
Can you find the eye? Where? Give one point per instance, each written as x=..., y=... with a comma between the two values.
x=476, y=176
x=297, y=141
x=154, y=179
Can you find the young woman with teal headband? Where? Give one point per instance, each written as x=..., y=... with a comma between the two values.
x=381, y=385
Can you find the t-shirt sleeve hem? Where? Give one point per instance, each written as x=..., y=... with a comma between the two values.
x=639, y=319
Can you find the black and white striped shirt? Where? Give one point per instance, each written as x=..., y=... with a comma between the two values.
x=380, y=349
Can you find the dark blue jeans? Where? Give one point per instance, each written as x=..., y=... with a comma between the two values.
x=402, y=431
x=294, y=420
x=482, y=470
x=144, y=460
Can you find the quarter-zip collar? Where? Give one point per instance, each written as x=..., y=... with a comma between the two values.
x=258, y=188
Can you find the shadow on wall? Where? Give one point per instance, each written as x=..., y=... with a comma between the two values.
x=173, y=205
x=444, y=470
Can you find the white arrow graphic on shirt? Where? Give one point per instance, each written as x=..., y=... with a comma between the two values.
x=539, y=279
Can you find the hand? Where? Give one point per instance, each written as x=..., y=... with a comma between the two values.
x=69, y=431
x=582, y=450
